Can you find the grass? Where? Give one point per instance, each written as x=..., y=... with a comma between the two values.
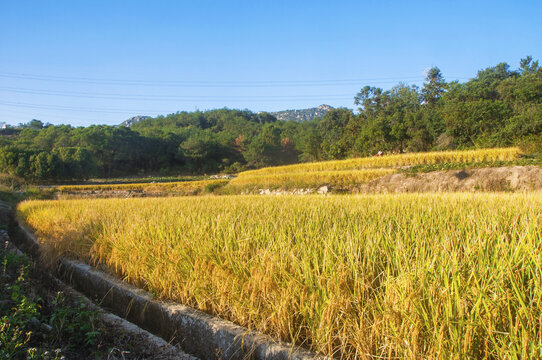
x=376, y=276
x=341, y=178
x=422, y=158
x=184, y=187
x=33, y=327
x=14, y=189
x=523, y=161
x=146, y=179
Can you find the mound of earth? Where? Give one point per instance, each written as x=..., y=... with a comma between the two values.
x=509, y=178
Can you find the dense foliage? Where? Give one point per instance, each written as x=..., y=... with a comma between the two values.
x=499, y=107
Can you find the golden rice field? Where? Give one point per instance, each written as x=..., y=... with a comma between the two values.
x=407, y=276
x=312, y=179
x=181, y=186
x=409, y=159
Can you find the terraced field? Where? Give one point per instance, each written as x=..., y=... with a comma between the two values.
x=340, y=174
x=344, y=173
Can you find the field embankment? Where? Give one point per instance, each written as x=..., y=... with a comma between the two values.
x=408, y=276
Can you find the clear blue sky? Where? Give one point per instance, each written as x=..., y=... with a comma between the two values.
x=101, y=62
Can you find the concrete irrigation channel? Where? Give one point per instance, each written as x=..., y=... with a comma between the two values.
x=195, y=332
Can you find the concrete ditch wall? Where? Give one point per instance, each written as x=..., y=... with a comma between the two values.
x=195, y=332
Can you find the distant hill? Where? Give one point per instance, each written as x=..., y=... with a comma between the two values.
x=285, y=115
x=134, y=120
x=303, y=114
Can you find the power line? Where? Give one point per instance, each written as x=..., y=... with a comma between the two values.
x=96, y=110
x=204, y=83
x=170, y=97
x=71, y=108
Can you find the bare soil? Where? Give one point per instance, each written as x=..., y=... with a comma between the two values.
x=509, y=178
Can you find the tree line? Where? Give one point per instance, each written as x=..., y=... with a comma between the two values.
x=499, y=107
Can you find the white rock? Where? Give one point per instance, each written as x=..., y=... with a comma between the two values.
x=323, y=190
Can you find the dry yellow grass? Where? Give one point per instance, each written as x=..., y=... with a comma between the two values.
x=407, y=276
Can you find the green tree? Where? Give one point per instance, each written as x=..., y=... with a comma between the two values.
x=434, y=86
x=44, y=166
x=75, y=163
x=204, y=152
x=528, y=66
x=332, y=127
x=35, y=124
x=265, y=148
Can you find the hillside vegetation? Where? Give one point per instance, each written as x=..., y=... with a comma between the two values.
x=499, y=107
x=380, y=276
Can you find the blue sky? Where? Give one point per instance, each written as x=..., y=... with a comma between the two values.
x=101, y=62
